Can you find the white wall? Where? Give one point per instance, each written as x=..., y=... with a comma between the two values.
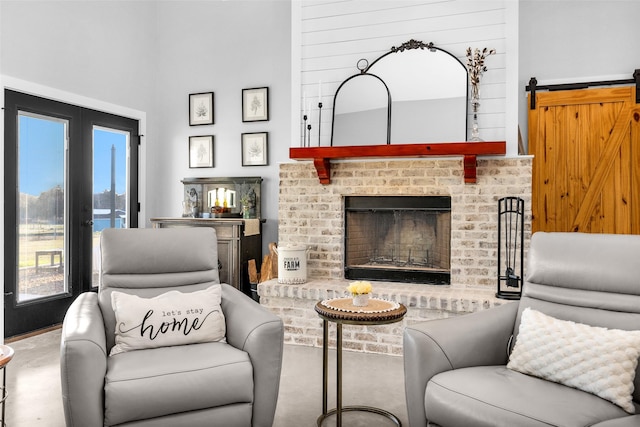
x=334, y=35
x=576, y=41
x=97, y=49
x=142, y=59
x=222, y=47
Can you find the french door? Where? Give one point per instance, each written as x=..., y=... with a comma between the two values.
x=70, y=172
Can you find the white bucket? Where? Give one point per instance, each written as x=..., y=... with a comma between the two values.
x=292, y=264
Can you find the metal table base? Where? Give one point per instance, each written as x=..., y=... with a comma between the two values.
x=339, y=409
x=6, y=354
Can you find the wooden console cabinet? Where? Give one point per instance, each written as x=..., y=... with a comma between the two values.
x=234, y=248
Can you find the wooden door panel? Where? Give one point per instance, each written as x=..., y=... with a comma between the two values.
x=594, y=209
x=635, y=165
x=601, y=181
x=586, y=169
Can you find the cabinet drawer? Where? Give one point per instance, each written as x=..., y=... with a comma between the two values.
x=225, y=232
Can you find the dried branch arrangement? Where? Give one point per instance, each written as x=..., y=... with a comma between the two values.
x=476, y=67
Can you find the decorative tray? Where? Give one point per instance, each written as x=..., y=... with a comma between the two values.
x=376, y=305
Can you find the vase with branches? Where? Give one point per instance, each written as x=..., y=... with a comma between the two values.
x=475, y=69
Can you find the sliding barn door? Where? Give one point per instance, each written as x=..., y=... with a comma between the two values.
x=586, y=169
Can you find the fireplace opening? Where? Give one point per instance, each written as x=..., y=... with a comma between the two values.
x=398, y=238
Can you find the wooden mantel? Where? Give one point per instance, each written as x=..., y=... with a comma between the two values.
x=322, y=156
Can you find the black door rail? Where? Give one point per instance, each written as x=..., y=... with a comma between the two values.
x=533, y=86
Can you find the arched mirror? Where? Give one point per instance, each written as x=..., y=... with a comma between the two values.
x=363, y=117
x=428, y=90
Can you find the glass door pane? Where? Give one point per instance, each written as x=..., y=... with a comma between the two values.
x=110, y=183
x=42, y=206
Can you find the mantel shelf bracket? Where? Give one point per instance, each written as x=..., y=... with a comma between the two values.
x=470, y=165
x=323, y=168
x=322, y=156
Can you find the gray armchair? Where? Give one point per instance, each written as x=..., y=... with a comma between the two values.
x=455, y=369
x=232, y=383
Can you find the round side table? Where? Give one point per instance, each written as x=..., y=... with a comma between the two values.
x=6, y=354
x=342, y=311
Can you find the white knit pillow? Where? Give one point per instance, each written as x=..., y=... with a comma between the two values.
x=596, y=360
x=172, y=318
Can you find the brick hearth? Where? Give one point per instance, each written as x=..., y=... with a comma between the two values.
x=294, y=304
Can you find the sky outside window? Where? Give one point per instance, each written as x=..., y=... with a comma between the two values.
x=41, y=155
x=103, y=140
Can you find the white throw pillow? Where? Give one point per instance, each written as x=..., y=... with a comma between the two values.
x=172, y=318
x=597, y=360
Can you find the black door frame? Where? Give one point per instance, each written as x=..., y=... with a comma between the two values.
x=91, y=118
x=28, y=316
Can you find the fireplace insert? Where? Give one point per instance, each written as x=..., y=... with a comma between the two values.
x=398, y=238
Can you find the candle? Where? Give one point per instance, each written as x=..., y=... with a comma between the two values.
x=304, y=104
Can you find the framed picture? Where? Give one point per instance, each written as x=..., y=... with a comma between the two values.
x=201, y=109
x=201, y=151
x=255, y=104
x=254, y=149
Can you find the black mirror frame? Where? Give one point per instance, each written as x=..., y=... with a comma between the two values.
x=362, y=73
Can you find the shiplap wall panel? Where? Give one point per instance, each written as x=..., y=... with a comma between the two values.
x=449, y=24
x=380, y=42
x=335, y=34
x=395, y=8
x=346, y=62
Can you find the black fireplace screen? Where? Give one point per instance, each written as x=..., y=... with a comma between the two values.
x=398, y=238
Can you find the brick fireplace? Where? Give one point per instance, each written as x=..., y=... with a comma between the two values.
x=313, y=214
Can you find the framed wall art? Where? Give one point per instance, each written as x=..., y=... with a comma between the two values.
x=255, y=104
x=201, y=109
x=201, y=151
x=254, y=149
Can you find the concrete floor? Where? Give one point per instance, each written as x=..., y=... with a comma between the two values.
x=33, y=382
